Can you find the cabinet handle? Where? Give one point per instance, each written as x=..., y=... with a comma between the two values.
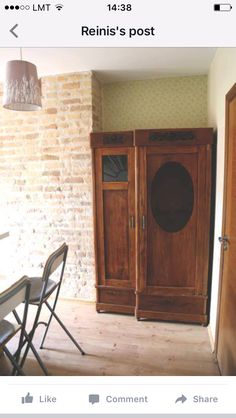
x=225, y=241
x=143, y=222
x=131, y=222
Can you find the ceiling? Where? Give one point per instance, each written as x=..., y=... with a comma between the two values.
x=115, y=64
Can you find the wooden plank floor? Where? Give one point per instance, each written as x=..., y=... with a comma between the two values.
x=121, y=345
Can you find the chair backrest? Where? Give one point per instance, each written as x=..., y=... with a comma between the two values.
x=14, y=296
x=56, y=259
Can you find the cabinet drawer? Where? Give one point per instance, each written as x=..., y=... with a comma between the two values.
x=172, y=308
x=117, y=296
x=173, y=304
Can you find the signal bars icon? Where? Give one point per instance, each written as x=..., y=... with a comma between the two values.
x=59, y=6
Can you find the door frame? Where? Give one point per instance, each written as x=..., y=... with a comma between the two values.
x=228, y=97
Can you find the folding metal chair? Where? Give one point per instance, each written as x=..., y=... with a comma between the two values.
x=9, y=300
x=42, y=288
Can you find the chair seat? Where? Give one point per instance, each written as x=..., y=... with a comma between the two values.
x=7, y=330
x=36, y=288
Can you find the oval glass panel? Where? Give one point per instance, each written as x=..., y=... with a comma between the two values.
x=172, y=197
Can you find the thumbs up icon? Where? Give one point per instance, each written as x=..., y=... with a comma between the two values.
x=27, y=399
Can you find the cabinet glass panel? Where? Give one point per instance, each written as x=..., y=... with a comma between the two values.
x=172, y=197
x=114, y=168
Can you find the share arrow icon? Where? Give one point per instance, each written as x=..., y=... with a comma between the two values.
x=181, y=399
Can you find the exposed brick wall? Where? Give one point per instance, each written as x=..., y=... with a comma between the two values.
x=45, y=180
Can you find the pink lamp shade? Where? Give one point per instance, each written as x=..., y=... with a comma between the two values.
x=21, y=87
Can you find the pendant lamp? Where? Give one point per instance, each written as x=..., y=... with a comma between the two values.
x=21, y=87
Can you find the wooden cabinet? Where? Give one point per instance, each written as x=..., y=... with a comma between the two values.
x=174, y=182
x=114, y=195
x=152, y=193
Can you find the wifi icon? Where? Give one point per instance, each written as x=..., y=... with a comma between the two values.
x=59, y=6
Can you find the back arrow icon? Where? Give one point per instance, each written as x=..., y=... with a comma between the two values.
x=12, y=31
x=181, y=399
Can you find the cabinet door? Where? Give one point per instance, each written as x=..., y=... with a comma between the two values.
x=173, y=233
x=115, y=226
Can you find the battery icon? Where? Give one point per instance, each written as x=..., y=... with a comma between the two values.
x=222, y=7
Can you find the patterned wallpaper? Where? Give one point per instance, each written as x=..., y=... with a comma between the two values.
x=162, y=103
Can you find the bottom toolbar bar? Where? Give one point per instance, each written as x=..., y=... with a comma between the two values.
x=120, y=416
x=54, y=397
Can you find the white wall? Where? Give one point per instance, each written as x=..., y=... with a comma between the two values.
x=222, y=76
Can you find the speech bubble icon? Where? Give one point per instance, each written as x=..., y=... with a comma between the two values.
x=94, y=398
